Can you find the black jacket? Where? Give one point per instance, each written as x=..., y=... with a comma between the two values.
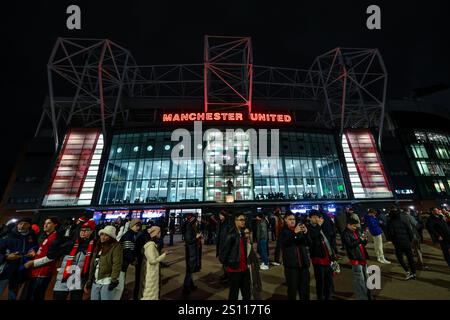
x=294, y=248
x=128, y=241
x=352, y=245
x=223, y=229
x=193, y=248
x=400, y=233
x=317, y=248
x=230, y=254
x=437, y=227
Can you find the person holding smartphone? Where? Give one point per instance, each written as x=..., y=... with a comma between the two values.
x=294, y=240
x=16, y=249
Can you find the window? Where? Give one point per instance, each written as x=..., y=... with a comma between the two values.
x=419, y=151
x=427, y=168
x=442, y=152
x=366, y=171
x=312, y=168
x=76, y=169
x=142, y=172
x=218, y=170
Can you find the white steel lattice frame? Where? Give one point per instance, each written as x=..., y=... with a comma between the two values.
x=348, y=83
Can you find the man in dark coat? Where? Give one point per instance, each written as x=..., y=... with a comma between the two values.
x=402, y=237
x=440, y=232
x=193, y=252
x=234, y=257
x=357, y=256
x=322, y=255
x=224, y=227
x=15, y=250
x=294, y=240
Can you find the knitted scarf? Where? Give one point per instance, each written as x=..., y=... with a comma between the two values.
x=72, y=255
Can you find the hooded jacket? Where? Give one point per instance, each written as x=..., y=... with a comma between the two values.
x=16, y=242
x=110, y=264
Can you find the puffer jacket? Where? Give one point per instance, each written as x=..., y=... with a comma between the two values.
x=110, y=264
x=150, y=272
x=128, y=241
x=294, y=248
x=400, y=233
x=230, y=255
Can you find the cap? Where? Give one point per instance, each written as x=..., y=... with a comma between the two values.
x=89, y=224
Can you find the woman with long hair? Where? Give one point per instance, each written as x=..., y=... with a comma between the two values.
x=105, y=267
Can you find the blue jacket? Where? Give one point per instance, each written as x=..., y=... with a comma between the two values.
x=373, y=225
x=15, y=242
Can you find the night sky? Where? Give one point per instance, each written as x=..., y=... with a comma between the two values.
x=414, y=41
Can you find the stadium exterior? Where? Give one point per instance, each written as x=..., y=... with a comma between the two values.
x=104, y=141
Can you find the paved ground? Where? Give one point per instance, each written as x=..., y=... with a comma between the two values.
x=433, y=283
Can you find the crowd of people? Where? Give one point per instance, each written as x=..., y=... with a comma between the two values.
x=89, y=259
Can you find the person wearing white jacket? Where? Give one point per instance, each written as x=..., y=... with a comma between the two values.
x=150, y=286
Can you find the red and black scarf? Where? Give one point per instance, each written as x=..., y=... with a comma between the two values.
x=72, y=255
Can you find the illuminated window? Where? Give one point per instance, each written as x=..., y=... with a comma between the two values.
x=136, y=175
x=366, y=171
x=419, y=151
x=76, y=169
x=442, y=152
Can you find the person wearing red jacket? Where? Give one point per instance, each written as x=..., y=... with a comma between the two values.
x=43, y=266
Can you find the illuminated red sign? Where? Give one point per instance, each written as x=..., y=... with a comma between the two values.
x=225, y=116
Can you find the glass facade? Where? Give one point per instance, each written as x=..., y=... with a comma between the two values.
x=312, y=166
x=219, y=170
x=139, y=170
x=429, y=153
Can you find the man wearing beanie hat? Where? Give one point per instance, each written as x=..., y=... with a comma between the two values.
x=322, y=255
x=15, y=250
x=128, y=241
x=357, y=256
x=73, y=273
